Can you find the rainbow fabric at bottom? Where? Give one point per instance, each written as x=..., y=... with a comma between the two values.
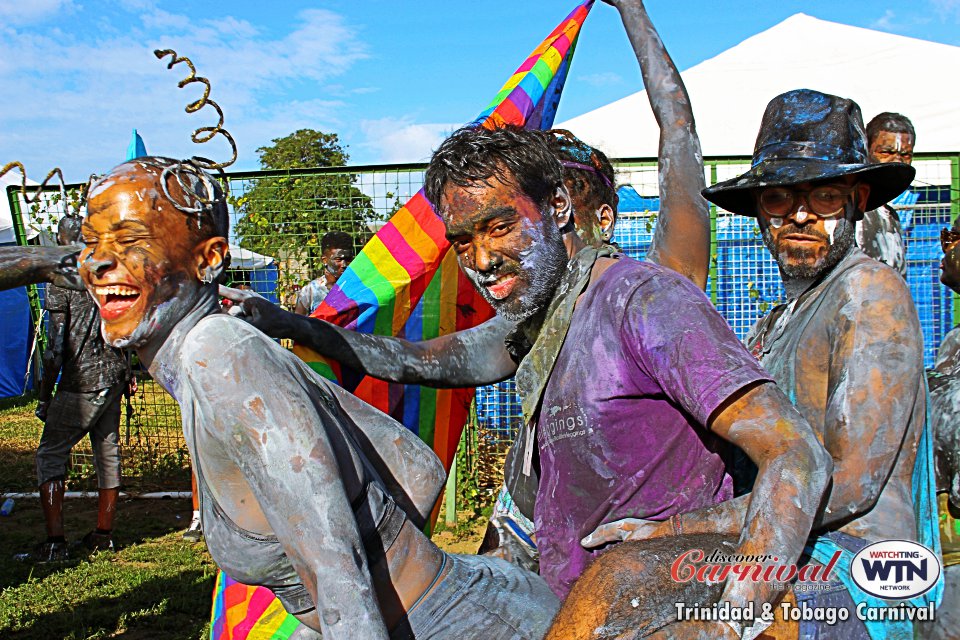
x=242, y=612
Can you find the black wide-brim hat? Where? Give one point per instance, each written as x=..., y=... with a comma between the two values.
x=807, y=136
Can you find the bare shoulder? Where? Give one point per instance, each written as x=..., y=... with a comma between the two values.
x=873, y=287
x=872, y=303
x=220, y=343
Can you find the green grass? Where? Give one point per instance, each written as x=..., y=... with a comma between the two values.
x=157, y=589
x=154, y=454
x=19, y=435
x=155, y=586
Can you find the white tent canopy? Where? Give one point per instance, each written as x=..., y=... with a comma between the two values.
x=248, y=260
x=7, y=234
x=880, y=71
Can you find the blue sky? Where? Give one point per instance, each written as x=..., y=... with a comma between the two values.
x=390, y=76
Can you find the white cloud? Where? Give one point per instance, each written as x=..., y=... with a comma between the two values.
x=401, y=140
x=947, y=8
x=78, y=95
x=19, y=12
x=884, y=22
x=602, y=79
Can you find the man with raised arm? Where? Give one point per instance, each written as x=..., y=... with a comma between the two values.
x=846, y=347
x=479, y=356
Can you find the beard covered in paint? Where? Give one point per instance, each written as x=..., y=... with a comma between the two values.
x=137, y=263
x=510, y=248
x=809, y=262
x=537, y=274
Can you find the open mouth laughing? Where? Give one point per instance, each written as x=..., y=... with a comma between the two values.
x=502, y=286
x=115, y=299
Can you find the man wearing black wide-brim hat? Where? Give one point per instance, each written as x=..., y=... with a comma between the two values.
x=846, y=347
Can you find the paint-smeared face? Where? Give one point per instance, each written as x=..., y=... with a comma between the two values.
x=891, y=147
x=805, y=244
x=594, y=226
x=335, y=262
x=138, y=263
x=950, y=263
x=511, y=250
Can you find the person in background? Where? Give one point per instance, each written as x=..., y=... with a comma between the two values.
x=336, y=253
x=890, y=138
x=944, y=383
x=93, y=379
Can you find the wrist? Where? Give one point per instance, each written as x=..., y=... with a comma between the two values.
x=676, y=524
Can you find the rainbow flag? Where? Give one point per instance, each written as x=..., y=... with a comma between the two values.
x=406, y=282
x=242, y=612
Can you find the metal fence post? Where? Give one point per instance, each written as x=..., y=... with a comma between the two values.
x=714, y=250
x=33, y=295
x=954, y=212
x=450, y=515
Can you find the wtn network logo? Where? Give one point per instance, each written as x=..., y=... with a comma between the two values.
x=895, y=569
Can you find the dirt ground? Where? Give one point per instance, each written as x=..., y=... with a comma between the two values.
x=465, y=538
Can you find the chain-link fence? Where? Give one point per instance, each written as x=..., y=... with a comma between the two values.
x=278, y=219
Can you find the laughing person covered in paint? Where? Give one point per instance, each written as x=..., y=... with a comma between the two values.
x=303, y=488
x=846, y=347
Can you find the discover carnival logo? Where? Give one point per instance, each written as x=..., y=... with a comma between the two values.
x=895, y=569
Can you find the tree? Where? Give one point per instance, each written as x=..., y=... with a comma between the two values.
x=285, y=216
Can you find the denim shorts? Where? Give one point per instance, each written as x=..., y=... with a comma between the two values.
x=834, y=595
x=482, y=598
x=71, y=416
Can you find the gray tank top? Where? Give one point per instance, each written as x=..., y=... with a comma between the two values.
x=260, y=560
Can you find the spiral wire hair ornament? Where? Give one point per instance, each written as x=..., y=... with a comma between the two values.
x=190, y=168
x=193, y=171
x=202, y=134
x=39, y=188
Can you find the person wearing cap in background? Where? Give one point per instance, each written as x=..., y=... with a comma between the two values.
x=846, y=346
x=890, y=138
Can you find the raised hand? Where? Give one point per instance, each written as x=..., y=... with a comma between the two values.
x=258, y=311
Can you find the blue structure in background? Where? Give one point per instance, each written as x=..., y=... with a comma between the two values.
x=748, y=280
x=15, y=346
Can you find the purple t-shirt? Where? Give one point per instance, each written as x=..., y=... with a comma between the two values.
x=621, y=428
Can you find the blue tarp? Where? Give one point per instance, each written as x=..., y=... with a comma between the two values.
x=15, y=345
